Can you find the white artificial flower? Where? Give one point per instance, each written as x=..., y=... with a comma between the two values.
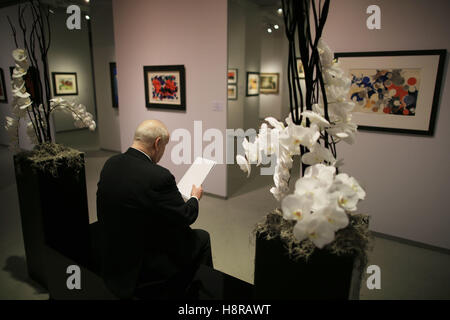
x=316, y=118
x=252, y=152
x=277, y=125
x=345, y=196
x=295, y=135
x=314, y=190
x=295, y=207
x=352, y=183
x=345, y=131
x=243, y=164
x=316, y=228
x=322, y=173
x=318, y=154
x=335, y=215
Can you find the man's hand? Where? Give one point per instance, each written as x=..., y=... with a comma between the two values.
x=197, y=192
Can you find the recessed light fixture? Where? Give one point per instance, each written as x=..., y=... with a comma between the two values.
x=269, y=30
x=87, y=1
x=280, y=11
x=87, y=17
x=276, y=27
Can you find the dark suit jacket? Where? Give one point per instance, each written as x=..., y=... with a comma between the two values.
x=144, y=222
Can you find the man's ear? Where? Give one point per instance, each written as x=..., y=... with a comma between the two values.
x=158, y=142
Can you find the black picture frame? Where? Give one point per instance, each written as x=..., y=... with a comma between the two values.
x=4, y=95
x=155, y=100
x=235, y=88
x=114, y=85
x=56, y=91
x=235, y=79
x=275, y=76
x=434, y=93
x=247, y=91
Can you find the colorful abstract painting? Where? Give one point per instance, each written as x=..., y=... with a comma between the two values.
x=252, y=83
x=232, y=76
x=65, y=83
x=165, y=87
x=385, y=91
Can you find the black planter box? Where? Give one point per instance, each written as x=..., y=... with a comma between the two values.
x=323, y=277
x=54, y=212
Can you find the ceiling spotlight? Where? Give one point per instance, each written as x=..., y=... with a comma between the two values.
x=87, y=17
x=269, y=30
x=87, y=1
x=280, y=11
x=276, y=27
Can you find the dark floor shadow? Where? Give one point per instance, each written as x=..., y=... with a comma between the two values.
x=17, y=267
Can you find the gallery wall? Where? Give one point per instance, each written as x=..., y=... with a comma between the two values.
x=70, y=52
x=104, y=53
x=406, y=176
x=191, y=33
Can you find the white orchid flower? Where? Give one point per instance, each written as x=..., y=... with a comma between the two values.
x=295, y=135
x=252, y=152
x=316, y=228
x=335, y=215
x=316, y=118
x=277, y=125
x=322, y=173
x=352, y=183
x=243, y=164
x=326, y=55
x=318, y=154
x=345, y=131
x=314, y=190
x=344, y=195
x=295, y=207
x=268, y=140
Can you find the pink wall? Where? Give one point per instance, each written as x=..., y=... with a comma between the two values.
x=158, y=32
x=406, y=176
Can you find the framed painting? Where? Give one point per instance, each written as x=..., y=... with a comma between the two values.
x=65, y=83
x=252, y=84
x=232, y=76
x=3, y=96
x=395, y=91
x=269, y=83
x=114, y=89
x=232, y=92
x=165, y=87
x=300, y=70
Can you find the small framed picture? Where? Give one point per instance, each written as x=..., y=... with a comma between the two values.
x=65, y=83
x=269, y=83
x=232, y=76
x=252, y=84
x=3, y=96
x=395, y=91
x=165, y=87
x=300, y=70
x=114, y=89
x=232, y=92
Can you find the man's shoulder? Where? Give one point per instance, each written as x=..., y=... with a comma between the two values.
x=123, y=160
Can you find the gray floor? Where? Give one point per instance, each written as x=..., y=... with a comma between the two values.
x=407, y=271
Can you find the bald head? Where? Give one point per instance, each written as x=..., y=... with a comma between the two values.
x=149, y=130
x=151, y=137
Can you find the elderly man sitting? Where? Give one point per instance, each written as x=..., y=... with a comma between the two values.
x=145, y=223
